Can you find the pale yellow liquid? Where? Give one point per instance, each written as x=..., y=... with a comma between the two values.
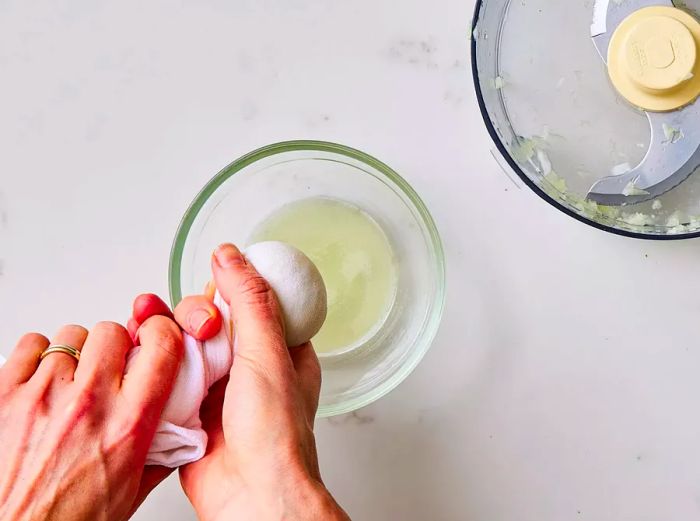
x=354, y=257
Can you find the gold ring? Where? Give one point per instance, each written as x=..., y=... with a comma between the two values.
x=61, y=348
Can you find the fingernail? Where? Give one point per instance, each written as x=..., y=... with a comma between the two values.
x=227, y=255
x=198, y=319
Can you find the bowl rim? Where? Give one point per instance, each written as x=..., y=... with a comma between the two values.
x=503, y=151
x=433, y=318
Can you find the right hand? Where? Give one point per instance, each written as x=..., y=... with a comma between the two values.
x=261, y=460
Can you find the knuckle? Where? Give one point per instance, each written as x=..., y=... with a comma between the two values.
x=71, y=332
x=162, y=323
x=110, y=329
x=164, y=334
x=171, y=346
x=255, y=287
x=258, y=294
x=30, y=339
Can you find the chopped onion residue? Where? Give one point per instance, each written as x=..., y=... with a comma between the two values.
x=638, y=219
x=673, y=135
x=674, y=220
x=633, y=189
x=556, y=182
x=545, y=163
x=524, y=149
x=675, y=224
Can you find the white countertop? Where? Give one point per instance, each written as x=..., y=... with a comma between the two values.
x=563, y=384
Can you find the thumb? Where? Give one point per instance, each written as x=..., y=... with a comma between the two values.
x=257, y=319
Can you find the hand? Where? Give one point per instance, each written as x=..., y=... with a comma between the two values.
x=75, y=435
x=197, y=315
x=261, y=460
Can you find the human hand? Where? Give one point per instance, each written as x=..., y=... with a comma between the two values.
x=261, y=460
x=75, y=435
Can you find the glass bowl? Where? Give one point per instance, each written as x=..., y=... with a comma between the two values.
x=251, y=188
x=558, y=122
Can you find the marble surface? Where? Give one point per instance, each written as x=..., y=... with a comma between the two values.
x=563, y=383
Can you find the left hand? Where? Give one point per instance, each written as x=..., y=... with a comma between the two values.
x=75, y=435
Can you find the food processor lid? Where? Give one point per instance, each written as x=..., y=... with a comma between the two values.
x=577, y=94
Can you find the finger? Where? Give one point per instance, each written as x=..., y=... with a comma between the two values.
x=198, y=316
x=144, y=307
x=133, y=328
x=152, y=476
x=62, y=366
x=150, y=379
x=308, y=371
x=149, y=305
x=256, y=315
x=23, y=361
x=104, y=354
x=210, y=290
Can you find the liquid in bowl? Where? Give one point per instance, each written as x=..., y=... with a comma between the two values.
x=355, y=258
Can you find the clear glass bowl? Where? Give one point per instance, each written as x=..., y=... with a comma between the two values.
x=254, y=186
x=549, y=105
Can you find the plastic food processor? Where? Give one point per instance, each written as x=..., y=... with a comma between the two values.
x=593, y=104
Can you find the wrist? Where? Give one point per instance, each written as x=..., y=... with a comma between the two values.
x=312, y=501
x=325, y=507
x=303, y=499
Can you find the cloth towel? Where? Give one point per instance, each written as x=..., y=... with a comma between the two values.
x=179, y=437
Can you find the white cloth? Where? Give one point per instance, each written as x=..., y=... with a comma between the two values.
x=180, y=438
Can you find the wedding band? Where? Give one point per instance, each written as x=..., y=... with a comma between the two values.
x=61, y=348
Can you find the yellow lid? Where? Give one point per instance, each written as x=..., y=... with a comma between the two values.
x=653, y=58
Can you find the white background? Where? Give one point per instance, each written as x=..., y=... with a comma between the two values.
x=563, y=383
